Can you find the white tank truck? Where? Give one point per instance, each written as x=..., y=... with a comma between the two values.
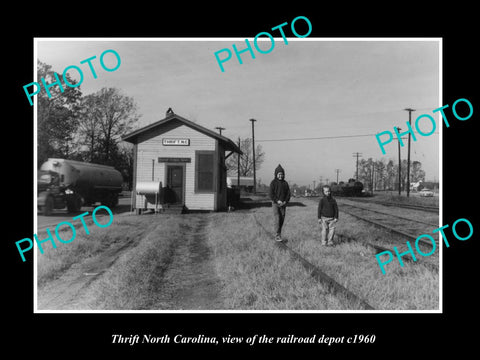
x=74, y=184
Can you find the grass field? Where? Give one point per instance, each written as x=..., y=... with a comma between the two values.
x=250, y=265
x=129, y=283
x=413, y=199
x=254, y=273
x=257, y=275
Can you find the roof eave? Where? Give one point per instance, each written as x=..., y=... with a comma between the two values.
x=230, y=145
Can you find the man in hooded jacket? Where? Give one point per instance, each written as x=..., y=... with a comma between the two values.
x=280, y=196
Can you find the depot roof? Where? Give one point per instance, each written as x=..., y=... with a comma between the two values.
x=228, y=144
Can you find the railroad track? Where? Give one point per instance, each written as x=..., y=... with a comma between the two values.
x=408, y=229
x=394, y=215
x=331, y=284
x=432, y=209
x=378, y=249
x=411, y=236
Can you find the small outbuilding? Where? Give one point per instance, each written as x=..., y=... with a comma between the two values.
x=178, y=162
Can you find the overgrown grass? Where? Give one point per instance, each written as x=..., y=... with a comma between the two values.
x=134, y=280
x=53, y=262
x=432, y=218
x=259, y=276
x=130, y=283
x=413, y=199
x=412, y=287
x=256, y=274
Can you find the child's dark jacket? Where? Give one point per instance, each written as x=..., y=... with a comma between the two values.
x=327, y=207
x=279, y=189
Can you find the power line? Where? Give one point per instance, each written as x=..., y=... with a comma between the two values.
x=321, y=138
x=318, y=138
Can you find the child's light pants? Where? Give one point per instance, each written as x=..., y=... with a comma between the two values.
x=328, y=230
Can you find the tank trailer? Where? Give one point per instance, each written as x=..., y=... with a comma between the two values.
x=67, y=183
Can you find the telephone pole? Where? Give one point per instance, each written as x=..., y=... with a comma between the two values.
x=399, y=166
x=337, y=171
x=408, y=156
x=238, y=165
x=219, y=128
x=373, y=177
x=253, y=148
x=356, y=155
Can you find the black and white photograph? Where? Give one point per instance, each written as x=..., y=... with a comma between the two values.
x=258, y=188
x=285, y=186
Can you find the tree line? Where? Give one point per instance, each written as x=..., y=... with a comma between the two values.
x=87, y=128
x=376, y=175
x=383, y=174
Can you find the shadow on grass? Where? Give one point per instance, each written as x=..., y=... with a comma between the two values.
x=246, y=204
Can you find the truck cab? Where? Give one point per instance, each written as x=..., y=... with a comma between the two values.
x=51, y=194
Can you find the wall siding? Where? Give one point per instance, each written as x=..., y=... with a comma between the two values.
x=150, y=148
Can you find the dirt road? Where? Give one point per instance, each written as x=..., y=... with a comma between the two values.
x=188, y=282
x=60, y=215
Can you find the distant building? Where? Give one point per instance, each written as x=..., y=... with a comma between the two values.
x=415, y=186
x=180, y=156
x=424, y=184
x=246, y=183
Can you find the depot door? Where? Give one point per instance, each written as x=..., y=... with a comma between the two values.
x=175, y=181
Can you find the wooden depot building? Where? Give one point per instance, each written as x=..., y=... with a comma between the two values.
x=179, y=163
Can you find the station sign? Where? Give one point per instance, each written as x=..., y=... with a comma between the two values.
x=176, y=142
x=174, y=160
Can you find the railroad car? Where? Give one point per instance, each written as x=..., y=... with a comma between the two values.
x=351, y=188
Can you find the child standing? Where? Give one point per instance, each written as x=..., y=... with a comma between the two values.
x=280, y=196
x=327, y=216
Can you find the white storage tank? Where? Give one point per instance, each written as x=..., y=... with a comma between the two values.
x=150, y=191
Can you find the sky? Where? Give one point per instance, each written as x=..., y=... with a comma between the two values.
x=306, y=96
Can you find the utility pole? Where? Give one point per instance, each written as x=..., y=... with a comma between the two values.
x=238, y=165
x=408, y=156
x=399, y=166
x=356, y=155
x=373, y=177
x=220, y=129
x=153, y=167
x=253, y=148
x=337, y=171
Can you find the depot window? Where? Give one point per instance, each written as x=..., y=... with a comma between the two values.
x=204, y=171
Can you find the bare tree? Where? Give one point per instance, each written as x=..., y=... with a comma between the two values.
x=381, y=177
x=391, y=175
x=246, y=160
x=106, y=115
x=89, y=129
